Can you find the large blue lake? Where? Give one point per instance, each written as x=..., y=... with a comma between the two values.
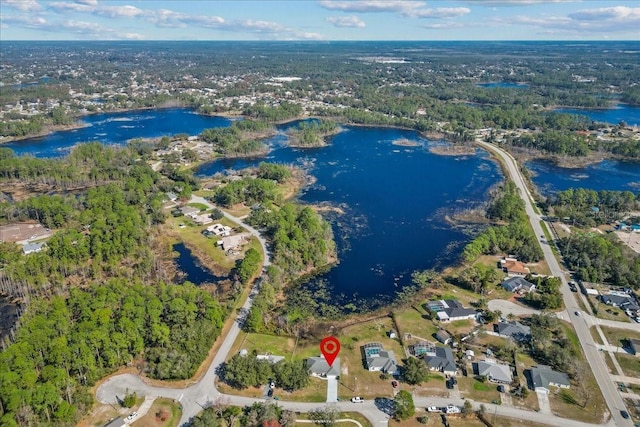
x=395, y=200
x=630, y=114
x=118, y=128
x=606, y=175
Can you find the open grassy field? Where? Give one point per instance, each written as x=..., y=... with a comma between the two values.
x=617, y=336
x=435, y=420
x=356, y=416
x=478, y=391
x=163, y=413
x=630, y=364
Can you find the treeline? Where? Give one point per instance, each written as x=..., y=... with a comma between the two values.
x=242, y=371
x=278, y=113
x=601, y=259
x=631, y=95
x=259, y=414
x=66, y=344
x=516, y=237
x=236, y=139
x=248, y=191
x=312, y=133
x=549, y=344
x=547, y=294
x=590, y=207
x=555, y=142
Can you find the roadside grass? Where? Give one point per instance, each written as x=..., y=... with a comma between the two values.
x=480, y=392
x=512, y=422
x=204, y=193
x=163, y=413
x=630, y=365
x=435, y=420
x=238, y=210
x=595, y=335
x=356, y=416
x=616, y=336
x=565, y=403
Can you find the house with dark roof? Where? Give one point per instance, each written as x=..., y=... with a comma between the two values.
x=116, y=422
x=620, y=299
x=514, y=330
x=518, y=284
x=318, y=367
x=377, y=359
x=543, y=376
x=495, y=372
x=450, y=310
x=443, y=336
x=441, y=360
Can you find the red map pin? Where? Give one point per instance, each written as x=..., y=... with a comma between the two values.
x=330, y=347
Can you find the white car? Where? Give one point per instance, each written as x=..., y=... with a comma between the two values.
x=434, y=409
x=132, y=416
x=357, y=400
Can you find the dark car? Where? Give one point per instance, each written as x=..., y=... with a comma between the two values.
x=270, y=392
x=501, y=388
x=624, y=414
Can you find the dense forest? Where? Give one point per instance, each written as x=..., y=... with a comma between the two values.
x=601, y=259
x=515, y=237
x=96, y=298
x=242, y=138
x=588, y=208
x=312, y=133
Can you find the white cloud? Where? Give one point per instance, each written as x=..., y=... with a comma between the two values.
x=22, y=5
x=616, y=13
x=88, y=2
x=64, y=7
x=516, y=2
x=133, y=36
x=618, y=19
x=118, y=11
x=346, y=21
x=441, y=12
x=399, y=6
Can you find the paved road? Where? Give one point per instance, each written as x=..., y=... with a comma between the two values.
x=600, y=371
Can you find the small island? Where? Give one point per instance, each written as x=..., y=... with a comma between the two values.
x=312, y=134
x=404, y=142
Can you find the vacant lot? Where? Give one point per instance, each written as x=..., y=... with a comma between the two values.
x=478, y=391
x=630, y=364
x=163, y=413
x=617, y=336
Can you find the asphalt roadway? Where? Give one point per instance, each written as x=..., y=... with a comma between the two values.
x=593, y=355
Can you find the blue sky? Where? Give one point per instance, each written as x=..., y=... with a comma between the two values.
x=320, y=20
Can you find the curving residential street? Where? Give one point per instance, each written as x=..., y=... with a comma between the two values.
x=580, y=324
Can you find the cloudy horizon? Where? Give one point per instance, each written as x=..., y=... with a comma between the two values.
x=320, y=20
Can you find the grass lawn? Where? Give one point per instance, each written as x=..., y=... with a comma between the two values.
x=478, y=391
x=200, y=206
x=564, y=403
x=630, y=364
x=163, y=413
x=435, y=420
x=512, y=422
x=609, y=312
x=343, y=415
x=595, y=335
x=616, y=336
x=411, y=321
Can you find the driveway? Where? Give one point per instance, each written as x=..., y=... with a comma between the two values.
x=332, y=389
x=506, y=307
x=543, y=402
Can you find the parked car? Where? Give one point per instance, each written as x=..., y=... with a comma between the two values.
x=132, y=416
x=434, y=409
x=624, y=414
x=270, y=392
x=501, y=388
x=394, y=384
x=357, y=399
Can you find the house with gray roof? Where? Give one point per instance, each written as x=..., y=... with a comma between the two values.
x=318, y=367
x=443, y=336
x=635, y=346
x=450, y=310
x=514, y=330
x=495, y=372
x=622, y=300
x=377, y=359
x=518, y=284
x=116, y=422
x=30, y=248
x=543, y=376
x=441, y=360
